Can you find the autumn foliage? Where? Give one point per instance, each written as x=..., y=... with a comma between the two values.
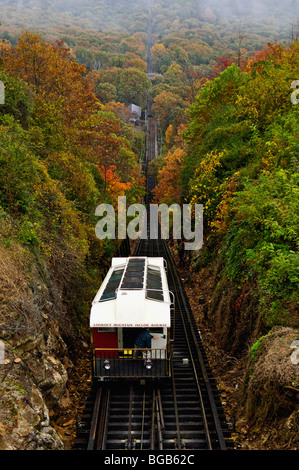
x=62, y=154
x=240, y=161
x=113, y=187
x=168, y=188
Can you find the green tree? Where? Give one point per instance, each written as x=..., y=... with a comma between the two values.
x=132, y=86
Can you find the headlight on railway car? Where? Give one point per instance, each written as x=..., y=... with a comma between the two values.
x=148, y=364
x=107, y=364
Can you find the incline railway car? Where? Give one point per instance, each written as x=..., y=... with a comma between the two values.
x=130, y=321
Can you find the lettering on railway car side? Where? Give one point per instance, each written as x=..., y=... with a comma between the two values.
x=294, y=99
x=182, y=224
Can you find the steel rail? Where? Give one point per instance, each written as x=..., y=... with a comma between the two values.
x=143, y=421
x=102, y=434
x=182, y=304
x=207, y=431
x=153, y=422
x=129, y=440
x=159, y=418
x=101, y=414
x=198, y=376
x=178, y=443
x=94, y=421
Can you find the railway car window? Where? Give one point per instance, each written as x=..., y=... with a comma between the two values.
x=113, y=283
x=154, y=284
x=134, y=275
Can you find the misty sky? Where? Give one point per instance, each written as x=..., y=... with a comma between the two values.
x=131, y=15
x=219, y=7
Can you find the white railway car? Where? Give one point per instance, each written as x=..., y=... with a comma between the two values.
x=130, y=321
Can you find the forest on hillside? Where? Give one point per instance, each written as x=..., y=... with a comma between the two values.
x=110, y=34
x=232, y=144
x=194, y=34
x=129, y=16
x=62, y=153
x=236, y=151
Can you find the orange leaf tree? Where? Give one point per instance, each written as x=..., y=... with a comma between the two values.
x=113, y=187
x=168, y=189
x=52, y=74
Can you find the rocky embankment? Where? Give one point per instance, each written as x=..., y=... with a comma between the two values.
x=35, y=363
x=33, y=389
x=256, y=369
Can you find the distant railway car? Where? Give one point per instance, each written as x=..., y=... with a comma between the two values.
x=130, y=321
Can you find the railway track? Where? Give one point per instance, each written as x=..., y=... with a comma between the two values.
x=135, y=417
x=181, y=413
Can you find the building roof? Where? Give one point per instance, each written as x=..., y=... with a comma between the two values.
x=135, y=109
x=133, y=294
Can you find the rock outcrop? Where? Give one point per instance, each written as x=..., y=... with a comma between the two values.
x=33, y=385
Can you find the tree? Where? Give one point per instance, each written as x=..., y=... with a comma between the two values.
x=240, y=38
x=161, y=58
x=113, y=187
x=136, y=63
x=106, y=92
x=168, y=189
x=132, y=86
x=174, y=75
x=51, y=72
x=169, y=109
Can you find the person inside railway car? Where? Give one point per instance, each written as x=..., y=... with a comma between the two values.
x=143, y=341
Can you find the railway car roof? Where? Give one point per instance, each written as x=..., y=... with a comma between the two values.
x=133, y=294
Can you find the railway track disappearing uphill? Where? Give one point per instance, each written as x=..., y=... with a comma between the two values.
x=181, y=413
